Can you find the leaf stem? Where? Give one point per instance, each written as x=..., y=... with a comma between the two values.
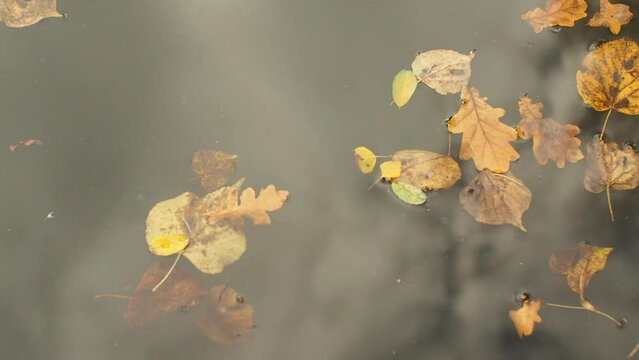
x=449, y=143
x=117, y=296
x=612, y=214
x=633, y=352
x=168, y=272
x=603, y=129
x=617, y=322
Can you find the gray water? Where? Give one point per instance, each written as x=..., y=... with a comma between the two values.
x=122, y=94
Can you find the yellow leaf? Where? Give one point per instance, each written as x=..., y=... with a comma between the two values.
x=391, y=169
x=21, y=13
x=168, y=244
x=427, y=170
x=167, y=219
x=579, y=265
x=404, y=84
x=365, y=159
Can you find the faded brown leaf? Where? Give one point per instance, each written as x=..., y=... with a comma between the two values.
x=227, y=316
x=557, y=12
x=495, y=199
x=213, y=168
x=525, y=317
x=609, y=77
x=179, y=291
x=427, y=170
x=612, y=16
x=255, y=208
x=21, y=13
x=610, y=166
x=579, y=265
x=485, y=139
x=551, y=140
x=445, y=71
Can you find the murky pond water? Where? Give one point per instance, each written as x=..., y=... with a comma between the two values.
x=123, y=93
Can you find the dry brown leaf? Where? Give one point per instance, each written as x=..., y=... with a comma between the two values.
x=608, y=166
x=213, y=168
x=525, y=317
x=24, y=143
x=612, y=16
x=21, y=13
x=427, y=170
x=227, y=316
x=445, y=71
x=495, y=199
x=485, y=139
x=609, y=77
x=579, y=265
x=180, y=290
x=551, y=140
x=250, y=206
x=557, y=12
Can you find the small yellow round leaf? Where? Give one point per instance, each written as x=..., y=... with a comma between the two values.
x=365, y=159
x=391, y=169
x=404, y=84
x=168, y=244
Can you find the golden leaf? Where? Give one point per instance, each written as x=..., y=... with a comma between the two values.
x=165, y=224
x=612, y=16
x=391, y=169
x=365, y=159
x=213, y=168
x=557, y=12
x=227, y=317
x=495, y=199
x=608, y=78
x=21, y=13
x=404, y=85
x=525, y=317
x=427, y=170
x=168, y=244
x=579, y=265
x=551, y=140
x=445, y=71
x=485, y=139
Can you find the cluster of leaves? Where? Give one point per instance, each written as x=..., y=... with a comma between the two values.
x=21, y=13
x=578, y=265
x=207, y=231
x=566, y=12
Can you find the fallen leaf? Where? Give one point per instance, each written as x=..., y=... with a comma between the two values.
x=408, y=193
x=495, y=199
x=24, y=144
x=551, y=140
x=525, y=317
x=21, y=13
x=390, y=169
x=557, y=12
x=445, y=71
x=227, y=316
x=213, y=168
x=365, y=159
x=579, y=265
x=167, y=221
x=485, y=139
x=404, y=85
x=427, y=170
x=179, y=291
x=250, y=206
x=612, y=16
x=608, y=78
x=609, y=167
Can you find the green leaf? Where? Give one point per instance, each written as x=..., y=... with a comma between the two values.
x=404, y=84
x=408, y=193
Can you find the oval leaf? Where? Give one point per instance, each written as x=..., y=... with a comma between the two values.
x=365, y=159
x=404, y=84
x=408, y=193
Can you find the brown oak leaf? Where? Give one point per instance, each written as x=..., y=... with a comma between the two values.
x=227, y=316
x=21, y=13
x=525, y=317
x=495, y=199
x=551, y=140
x=485, y=139
x=557, y=12
x=427, y=170
x=612, y=16
x=249, y=206
x=213, y=168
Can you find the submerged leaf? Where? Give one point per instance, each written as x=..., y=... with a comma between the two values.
x=608, y=78
x=166, y=220
x=557, y=12
x=21, y=13
x=179, y=291
x=427, y=170
x=579, y=265
x=485, y=139
x=551, y=140
x=391, y=169
x=612, y=16
x=408, y=193
x=365, y=159
x=227, y=316
x=610, y=166
x=525, y=317
x=213, y=168
x=404, y=84
x=496, y=199
x=445, y=71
